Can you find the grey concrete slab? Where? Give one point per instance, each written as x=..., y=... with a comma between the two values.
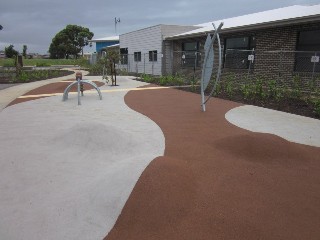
x=66, y=171
x=7, y=85
x=291, y=127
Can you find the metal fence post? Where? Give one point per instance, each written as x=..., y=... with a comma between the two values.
x=144, y=63
x=250, y=62
x=314, y=67
x=152, y=63
x=280, y=66
x=127, y=63
x=195, y=66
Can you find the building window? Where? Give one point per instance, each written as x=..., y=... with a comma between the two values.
x=153, y=56
x=190, y=55
x=237, y=51
x=137, y=56
x=124, y=55
x=308, y=46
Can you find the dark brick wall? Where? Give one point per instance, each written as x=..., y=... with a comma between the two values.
x=269, y=66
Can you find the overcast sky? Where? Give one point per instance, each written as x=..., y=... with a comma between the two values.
x=35, y=22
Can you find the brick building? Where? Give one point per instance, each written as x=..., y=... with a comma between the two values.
x=285, y=42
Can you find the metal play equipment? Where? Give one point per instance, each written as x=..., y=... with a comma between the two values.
x=208, y=65
x=79, y=82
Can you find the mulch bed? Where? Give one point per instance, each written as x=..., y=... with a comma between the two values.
x=289, y=105
x=218, y=181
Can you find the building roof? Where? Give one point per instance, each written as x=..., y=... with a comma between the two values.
x=273, y=17
x=114, y=45
x=106, y=39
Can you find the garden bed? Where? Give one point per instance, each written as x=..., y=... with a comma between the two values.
x=31, y=76
x=268, y=94
x=304, y=107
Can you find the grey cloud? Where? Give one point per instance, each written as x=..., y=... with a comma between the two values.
x=35, y=22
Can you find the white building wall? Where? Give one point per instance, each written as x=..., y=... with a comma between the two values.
x=143, y=40
x=150, y=39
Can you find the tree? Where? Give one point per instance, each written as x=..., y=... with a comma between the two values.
x=24, y=51
x=70, y=42
x=112, y=58
x=10, y=52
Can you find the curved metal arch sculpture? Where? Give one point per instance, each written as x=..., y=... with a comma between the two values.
x=78, y=82
x=208, y=65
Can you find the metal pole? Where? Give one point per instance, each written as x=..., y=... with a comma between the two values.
x=280, y=66
x=115, y=73
x=314, y=67
x=127, y=63
x=144, y=63
x=152, y=62
x=195, y=66
x=250, y=62
x=79, y=101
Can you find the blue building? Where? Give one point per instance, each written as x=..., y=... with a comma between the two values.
x=102, y=43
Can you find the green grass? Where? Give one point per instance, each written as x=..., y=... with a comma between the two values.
x=44, y=62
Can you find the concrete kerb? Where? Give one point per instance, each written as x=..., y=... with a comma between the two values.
x=9, y=94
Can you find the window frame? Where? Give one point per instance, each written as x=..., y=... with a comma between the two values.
x=124, y=56
x=137, y=56
x=153, y=56
x=248, y=50
x=189, y=56
x=302, y=61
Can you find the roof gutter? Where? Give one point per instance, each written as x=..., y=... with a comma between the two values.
x=280, y=23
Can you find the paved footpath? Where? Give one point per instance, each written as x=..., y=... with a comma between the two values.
x=66, y=171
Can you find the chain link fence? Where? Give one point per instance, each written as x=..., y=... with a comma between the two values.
x=138, y=63
x=284, y=67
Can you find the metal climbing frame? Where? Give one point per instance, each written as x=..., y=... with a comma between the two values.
x=78, y=83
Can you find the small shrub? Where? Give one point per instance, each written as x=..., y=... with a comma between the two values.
x=296, y=87
x=218, y=89
x=95, y=69
x=249, y=91
x=229, y=89
x=316, y=108
x=146, y=78
x=259, y=92
x=23, y=76
x=164, y=80
x=272, y=88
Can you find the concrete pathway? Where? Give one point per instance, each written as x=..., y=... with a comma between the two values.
x=66, y=171
x=291, y=127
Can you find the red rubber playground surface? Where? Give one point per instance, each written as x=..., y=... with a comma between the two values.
x=216, y=180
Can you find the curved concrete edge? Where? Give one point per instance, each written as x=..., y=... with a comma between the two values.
x=49, y=190
x=9, y=94
x=294, y=128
